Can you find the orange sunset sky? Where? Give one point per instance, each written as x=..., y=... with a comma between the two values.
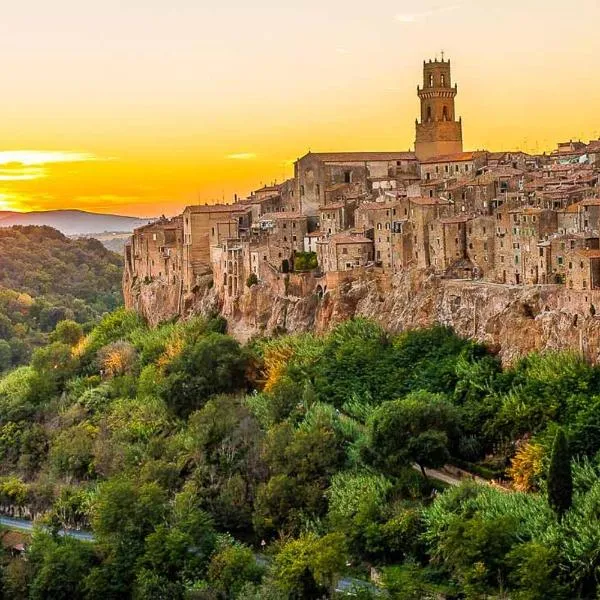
x=141, y=107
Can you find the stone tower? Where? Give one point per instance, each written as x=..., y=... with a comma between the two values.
x=439, y=132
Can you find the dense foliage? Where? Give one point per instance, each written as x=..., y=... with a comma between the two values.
x=46, y=278
x=287, y=468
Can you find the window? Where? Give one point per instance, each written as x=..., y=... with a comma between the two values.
x=213, y=231
x=302, y=190
x=541, y=252
x=516, y=260
x=431, y=80
x=443, y=80
x=285, y=226
x=572, y=244
x=560, y=260
x=318, y=190
x=344, y=250
x=347, y=176
x=445, y=113
x=429, y=114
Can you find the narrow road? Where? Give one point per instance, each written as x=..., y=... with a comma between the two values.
x=27, y=526
x=454, y=476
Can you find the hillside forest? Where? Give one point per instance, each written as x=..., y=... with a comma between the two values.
x=46, y=278
x=298, y=467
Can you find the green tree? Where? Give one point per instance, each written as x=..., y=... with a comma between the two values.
x=5, y=355
x=59, y=566
x=417, y=429
x=214, y=364
x=560, y=478
x=306, y=568
x=67, y=332
x=231, y=568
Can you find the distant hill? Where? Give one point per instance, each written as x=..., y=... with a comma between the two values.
x=72, y=222
x=46, y=277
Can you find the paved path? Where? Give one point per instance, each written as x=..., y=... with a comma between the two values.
x=27, y=526
x=455, y=476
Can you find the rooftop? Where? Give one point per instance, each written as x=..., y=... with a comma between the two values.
x=595, y=253
x=362, y=156
x=458, y=157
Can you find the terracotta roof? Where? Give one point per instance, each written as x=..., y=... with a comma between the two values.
x=589, y=253
x=217, y=208
x=282, y=215
x=362, y=156
x=455, y=220
x=591, y=202
x=425, y=201
x=458, y=157
x=380, y=205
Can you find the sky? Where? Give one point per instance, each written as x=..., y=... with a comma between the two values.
x=145, y=106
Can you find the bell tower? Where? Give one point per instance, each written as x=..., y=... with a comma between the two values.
x=438, y=133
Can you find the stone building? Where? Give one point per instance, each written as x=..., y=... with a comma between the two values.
x=344, y=252
x=316, y=173
x=205, y=226
x=388, y=225
x=448, y=166
x=156, y=251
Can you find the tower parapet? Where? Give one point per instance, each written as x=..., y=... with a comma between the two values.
x=438, y=132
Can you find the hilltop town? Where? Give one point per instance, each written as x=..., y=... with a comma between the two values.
x=439, y=214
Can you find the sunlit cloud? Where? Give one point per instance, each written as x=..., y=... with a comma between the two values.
x=10, y=201
x=29, y=158
x=16, y=172
x=408, y=18
x=242, y=156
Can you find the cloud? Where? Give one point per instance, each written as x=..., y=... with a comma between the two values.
x=29, y=165
x=241, y=156
x=408, y=18
x=29, y=158
x=16, y=172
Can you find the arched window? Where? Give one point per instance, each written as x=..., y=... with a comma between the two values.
x=429, y=113
x=443, y=80
x=445, y=114
x=431, y=80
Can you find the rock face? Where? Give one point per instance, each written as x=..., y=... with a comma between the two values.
x=514, y=320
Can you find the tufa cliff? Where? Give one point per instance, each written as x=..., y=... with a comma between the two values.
x=513, y=319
